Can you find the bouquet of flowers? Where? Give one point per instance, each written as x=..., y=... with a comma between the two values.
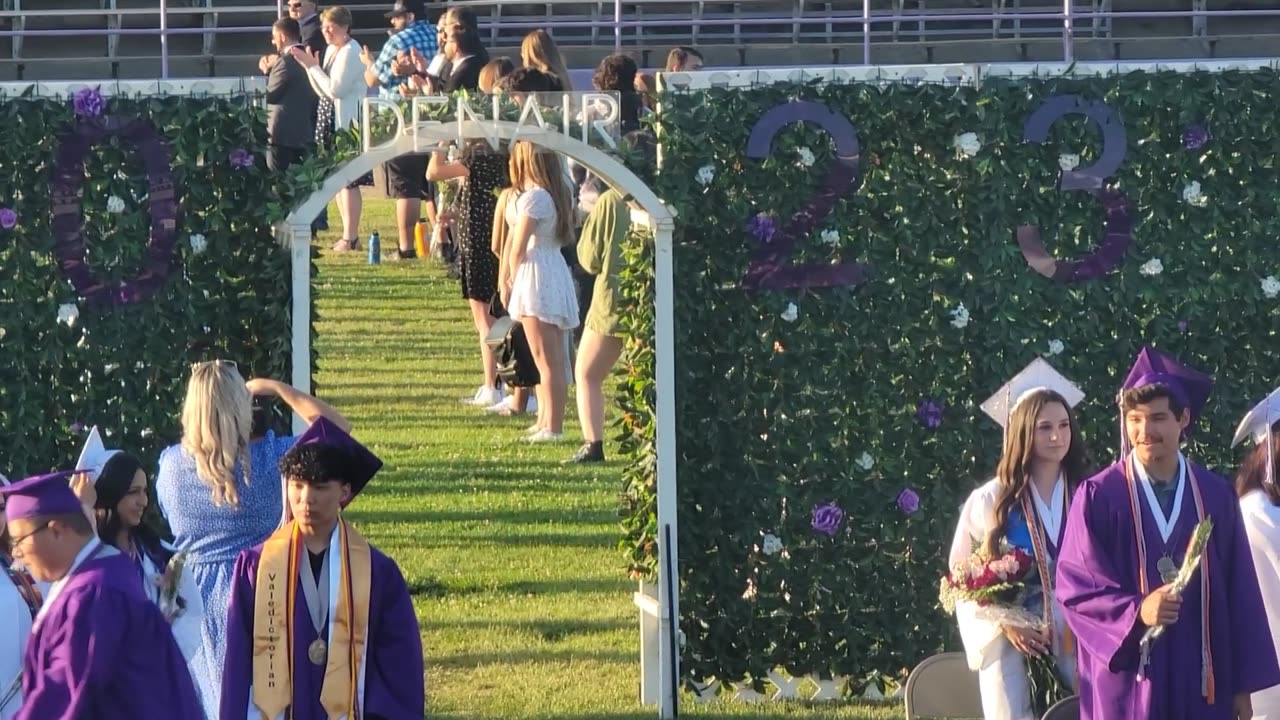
x=1195, y=550
x=171, y=603
x=998, y=586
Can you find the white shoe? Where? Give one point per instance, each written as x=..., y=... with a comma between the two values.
x=533, y=429
x=484, y=397
x=499, y=406
x=546, y=436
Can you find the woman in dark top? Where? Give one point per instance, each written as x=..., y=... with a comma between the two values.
x=484, y=174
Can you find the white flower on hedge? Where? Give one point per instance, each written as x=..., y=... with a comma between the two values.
x=830, y=237
x=806, y=157
x=147, y=432
x=198, y=243
x=1068, y=161
x=865, y=461
x=706, y=174
x=115, y=204
x=770, y=544
x=1191, y=194
x=791, y=313
x=967, y=144
x=68, y=313
x=1152, y=267
x=110, y=368
x=1056, y=347
x=1270, y=286
x=959, y=316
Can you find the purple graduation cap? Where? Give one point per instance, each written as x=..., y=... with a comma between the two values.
x=41, y=496
x=359, y=464
x=1190, y=387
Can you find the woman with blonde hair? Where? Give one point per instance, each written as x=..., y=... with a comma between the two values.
x=220, y=491
x=539, y=51
x=536, y=285
x=339, y=82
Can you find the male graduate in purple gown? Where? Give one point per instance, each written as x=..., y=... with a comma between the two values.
x=1126, y=537
x=99, y=648
x=321, y=625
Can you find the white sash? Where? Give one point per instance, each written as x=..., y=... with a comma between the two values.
x=1051, y=514
x=1163, y=523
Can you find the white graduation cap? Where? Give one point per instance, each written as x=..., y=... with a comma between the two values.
x=1039, y=375
x=94, y=456
x=1257, y=424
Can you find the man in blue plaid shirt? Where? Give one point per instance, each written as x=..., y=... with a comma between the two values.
x=407, y=174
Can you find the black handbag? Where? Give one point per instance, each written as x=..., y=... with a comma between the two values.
x=510, y=348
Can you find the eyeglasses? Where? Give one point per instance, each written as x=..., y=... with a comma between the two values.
x=17, y=542
x=219, y=363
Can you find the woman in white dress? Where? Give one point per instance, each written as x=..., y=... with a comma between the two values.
x=535, y=282
x=339, y=82
x=19, y=603
x=1260, y=507
x=1043, y=459
x=119, y=495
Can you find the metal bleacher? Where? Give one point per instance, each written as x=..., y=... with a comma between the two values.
x=127, y=39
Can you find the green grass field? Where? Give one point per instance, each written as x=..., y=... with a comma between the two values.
x=524, y=608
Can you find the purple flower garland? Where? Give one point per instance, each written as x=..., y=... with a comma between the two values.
x=68, y=225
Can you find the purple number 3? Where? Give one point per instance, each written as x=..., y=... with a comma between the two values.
x=769, y=268
x=1118, y=226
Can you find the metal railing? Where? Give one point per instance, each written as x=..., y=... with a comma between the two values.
x=805, y=22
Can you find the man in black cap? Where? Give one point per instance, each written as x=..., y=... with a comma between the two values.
x=406, y=175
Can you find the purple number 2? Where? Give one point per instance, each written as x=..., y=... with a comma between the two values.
x=1118, y=226
x=769, y=268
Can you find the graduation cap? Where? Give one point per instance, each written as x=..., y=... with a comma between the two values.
x=1257, y=424
x=1038, y=375
x=358, y=464
x=41, y=495
x=1190, y=387
x=94, y=456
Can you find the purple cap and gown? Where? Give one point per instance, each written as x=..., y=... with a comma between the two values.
x=1099, y=586
x=99, y=648
x=393, y=685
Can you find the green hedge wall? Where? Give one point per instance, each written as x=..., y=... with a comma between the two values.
x=789, y=399
x=124, y=365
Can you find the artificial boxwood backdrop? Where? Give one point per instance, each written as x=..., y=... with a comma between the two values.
x=136, y=237
x=827, y=436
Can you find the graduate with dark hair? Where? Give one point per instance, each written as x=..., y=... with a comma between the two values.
x=99, y=647
x=120, y=502
x=321, y=624
x=1127, y=536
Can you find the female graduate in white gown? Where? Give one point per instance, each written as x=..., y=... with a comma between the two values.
x=1260, y=506
x=19, y=602
x=1043, y=459
x=120, y=501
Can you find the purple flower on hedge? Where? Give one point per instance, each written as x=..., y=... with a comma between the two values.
x=76, y=427
x=1182, y=326
x=827, y=519
x=88, y=103
x=8, y=218
x=241, y=158
x=929, y=413
x=1195, y=137
x=908, y=501
x=762, y=227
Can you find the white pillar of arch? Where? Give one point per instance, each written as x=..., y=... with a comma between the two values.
x=660, y=610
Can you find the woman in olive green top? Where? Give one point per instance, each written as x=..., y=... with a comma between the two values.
x=600, y=253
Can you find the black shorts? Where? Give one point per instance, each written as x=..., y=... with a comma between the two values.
x=407, y=177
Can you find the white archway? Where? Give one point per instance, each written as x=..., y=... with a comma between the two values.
x=659, y=607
